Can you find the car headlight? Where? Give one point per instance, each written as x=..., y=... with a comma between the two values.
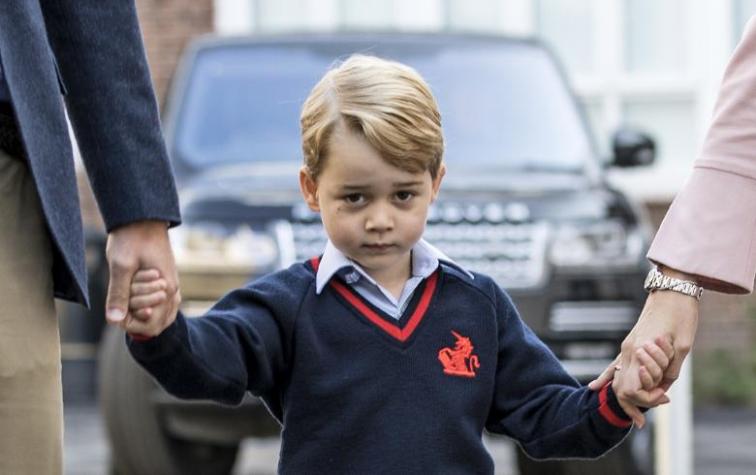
x=604, y=244
x=214, y=248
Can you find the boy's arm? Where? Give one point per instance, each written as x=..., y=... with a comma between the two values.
x=238, y=346
x=541, y=406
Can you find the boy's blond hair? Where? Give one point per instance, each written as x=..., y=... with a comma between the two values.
x=386, y=102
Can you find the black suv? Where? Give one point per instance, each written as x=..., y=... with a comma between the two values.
x=525, y=200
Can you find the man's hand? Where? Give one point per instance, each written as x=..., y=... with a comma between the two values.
x=667, y=315
x=135, y=246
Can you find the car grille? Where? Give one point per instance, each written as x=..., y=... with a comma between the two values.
x=513, y=254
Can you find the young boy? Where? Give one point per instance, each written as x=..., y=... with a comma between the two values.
x=382, y=355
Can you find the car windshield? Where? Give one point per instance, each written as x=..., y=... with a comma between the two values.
x=503, y=104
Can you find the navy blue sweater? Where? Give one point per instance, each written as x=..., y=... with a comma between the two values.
x=358, y=392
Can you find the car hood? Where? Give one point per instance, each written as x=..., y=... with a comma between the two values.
x=265, y=183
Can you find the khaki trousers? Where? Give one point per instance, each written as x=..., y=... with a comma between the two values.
x=31, y=407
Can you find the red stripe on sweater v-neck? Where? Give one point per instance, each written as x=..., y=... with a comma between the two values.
x=401, y=334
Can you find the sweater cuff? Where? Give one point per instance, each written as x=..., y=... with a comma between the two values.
x=145, y=347
x=610, y=409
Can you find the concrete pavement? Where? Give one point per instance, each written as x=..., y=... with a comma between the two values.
x=724, y=444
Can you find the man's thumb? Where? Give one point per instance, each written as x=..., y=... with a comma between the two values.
x=117, y=302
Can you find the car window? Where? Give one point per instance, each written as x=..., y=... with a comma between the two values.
x=502, y=105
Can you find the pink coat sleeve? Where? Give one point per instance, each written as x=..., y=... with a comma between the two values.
x=710, y=229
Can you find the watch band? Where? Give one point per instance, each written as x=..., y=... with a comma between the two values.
x=655, y=280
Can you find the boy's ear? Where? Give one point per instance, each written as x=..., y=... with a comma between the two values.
x=309, y=188
x=437, y=181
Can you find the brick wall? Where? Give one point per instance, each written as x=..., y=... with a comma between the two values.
x=167, y=27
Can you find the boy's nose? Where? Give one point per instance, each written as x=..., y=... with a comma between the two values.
x=379, y=220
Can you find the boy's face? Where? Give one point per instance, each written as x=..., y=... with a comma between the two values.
x=372, y=211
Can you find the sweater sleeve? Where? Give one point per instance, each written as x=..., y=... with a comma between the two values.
x=540, y=405
x=239, y=345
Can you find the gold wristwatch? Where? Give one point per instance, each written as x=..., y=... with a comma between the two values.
x=655, y=280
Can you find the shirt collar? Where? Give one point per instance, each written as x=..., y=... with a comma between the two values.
x=425, y=260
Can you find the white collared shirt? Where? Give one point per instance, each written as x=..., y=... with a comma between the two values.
x=425, y=260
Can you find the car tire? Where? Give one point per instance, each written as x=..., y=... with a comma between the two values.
x=138, y=442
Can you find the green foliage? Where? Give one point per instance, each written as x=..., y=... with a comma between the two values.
x=724, y=377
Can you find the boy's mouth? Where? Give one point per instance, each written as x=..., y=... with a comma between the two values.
x=378, y=247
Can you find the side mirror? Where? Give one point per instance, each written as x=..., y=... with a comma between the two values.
x=632, y=148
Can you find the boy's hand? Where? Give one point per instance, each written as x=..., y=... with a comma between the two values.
x=654, y=358
x=150, y=310
x=667, y=314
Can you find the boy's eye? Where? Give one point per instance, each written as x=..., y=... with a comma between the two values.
x=354, y=198
x=404, y=195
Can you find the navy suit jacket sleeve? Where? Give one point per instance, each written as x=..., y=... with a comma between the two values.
x=112, y=107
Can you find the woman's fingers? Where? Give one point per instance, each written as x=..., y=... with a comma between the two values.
x=606, y=376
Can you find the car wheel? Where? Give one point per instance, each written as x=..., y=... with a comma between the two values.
x=139, y=443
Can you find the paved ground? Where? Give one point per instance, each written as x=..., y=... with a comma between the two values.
x=724, y=444
x=86, y=449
